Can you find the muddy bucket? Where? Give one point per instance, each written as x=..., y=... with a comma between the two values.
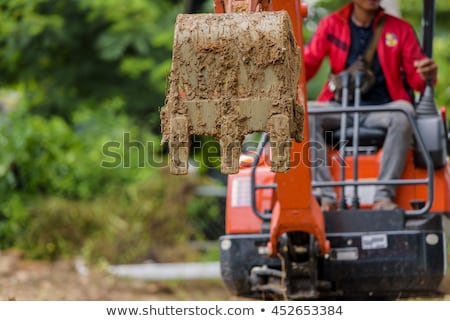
x=233, y=74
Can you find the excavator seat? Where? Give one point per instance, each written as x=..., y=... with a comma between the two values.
x=367, y=136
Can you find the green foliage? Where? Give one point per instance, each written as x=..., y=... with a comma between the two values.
x=57, y=200
x=31, y=144
x=14, y=218
x=412, y=9
x=140, y=221
x=208, y=6
x=442, y=57
x=50, y=157
x=63, y=53
x=316, y=12
x=330, y=5
x=204, y=212
x=47, y=157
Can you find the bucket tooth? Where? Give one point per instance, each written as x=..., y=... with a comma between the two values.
x=179, y=145
x=280, y=143
x=230, y=150
x=236, y=76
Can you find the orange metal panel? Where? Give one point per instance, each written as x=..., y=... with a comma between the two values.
x=219, y=6
x=297, y=208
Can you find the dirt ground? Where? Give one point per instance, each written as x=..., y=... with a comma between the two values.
x=24, y=280
x=33, y=280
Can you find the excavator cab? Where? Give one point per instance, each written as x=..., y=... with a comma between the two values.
x=240, y=76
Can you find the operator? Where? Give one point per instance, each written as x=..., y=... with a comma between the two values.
x=398, y=63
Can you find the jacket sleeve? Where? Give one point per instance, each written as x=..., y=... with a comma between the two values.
x=410, y=53
x=316, y=50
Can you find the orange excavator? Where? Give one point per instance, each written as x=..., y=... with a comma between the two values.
x=240, y=71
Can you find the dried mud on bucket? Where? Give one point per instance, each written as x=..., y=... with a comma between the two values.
x=233, y=74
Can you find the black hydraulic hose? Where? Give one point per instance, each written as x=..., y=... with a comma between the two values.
x=253, y=187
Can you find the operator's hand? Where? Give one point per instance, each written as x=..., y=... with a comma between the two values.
x=427, y=68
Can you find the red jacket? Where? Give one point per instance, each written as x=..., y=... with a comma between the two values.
x=397, y=50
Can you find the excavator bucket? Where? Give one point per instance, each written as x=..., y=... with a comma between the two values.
x=233, y=74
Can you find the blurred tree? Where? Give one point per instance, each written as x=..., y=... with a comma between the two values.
x=194, y=6
x=412, y=11
x=63, y=53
